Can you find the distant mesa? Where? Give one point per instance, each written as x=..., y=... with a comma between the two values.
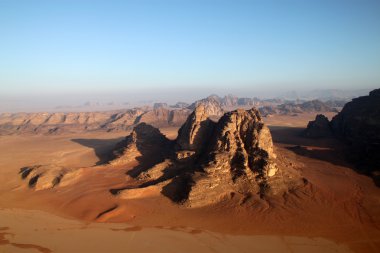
x=294, y=108
x=358, y=125
x=160, y=105
x=180, y=105
x=160, y=115
x=210, y=104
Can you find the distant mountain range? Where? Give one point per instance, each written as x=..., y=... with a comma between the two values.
x=159, y=115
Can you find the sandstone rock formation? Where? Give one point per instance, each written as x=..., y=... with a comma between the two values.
x=211, y=105
x=318, y=128
x=146, y=142
x=209, y=162
x=240, y=159
x=196, y=130
x=358, y=125
x=227, y=102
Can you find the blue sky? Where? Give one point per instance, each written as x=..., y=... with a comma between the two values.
x=80, y=47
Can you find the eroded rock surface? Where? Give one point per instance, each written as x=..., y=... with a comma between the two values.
x=357, y=125
x=209, y=161
x=196, y=130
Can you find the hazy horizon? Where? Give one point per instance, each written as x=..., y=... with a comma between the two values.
x=124, y=100
x=64, y=53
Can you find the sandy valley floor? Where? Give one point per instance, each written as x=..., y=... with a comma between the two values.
x=339, y=213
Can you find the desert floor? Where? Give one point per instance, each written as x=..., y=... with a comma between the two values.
x=340, y=212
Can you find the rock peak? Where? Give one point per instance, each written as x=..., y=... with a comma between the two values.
x=210, y=160
x=196, y=130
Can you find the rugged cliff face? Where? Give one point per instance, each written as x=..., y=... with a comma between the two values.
x=240, y=159
x=196, y=131
x=209, y=162
x=358, y=125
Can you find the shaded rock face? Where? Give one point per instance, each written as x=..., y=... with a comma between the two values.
x=145, y=142
x=208, y=161
x=196, y=131
x=358, y=124
x=318, y=128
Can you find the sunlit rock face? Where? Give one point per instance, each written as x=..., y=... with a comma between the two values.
x=208, y=162
x=240, y=158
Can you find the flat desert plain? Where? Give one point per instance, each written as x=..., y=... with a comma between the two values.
x=338, y=212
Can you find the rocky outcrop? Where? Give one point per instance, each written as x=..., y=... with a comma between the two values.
x=211, y=106
x=319, y=128
x=358, y=124
x=208, y=162
x=240, y=159
x=196, y=130
x=228, y=102
x=145, y=141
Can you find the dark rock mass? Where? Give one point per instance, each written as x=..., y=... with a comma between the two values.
x=320, y=127
x=358, y=124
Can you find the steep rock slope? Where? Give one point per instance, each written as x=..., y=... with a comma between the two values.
x=209, y=162
x=357, y=125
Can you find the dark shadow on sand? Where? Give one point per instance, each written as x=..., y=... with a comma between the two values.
x=325, y=149
x=102, y=147
x=155, y=148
